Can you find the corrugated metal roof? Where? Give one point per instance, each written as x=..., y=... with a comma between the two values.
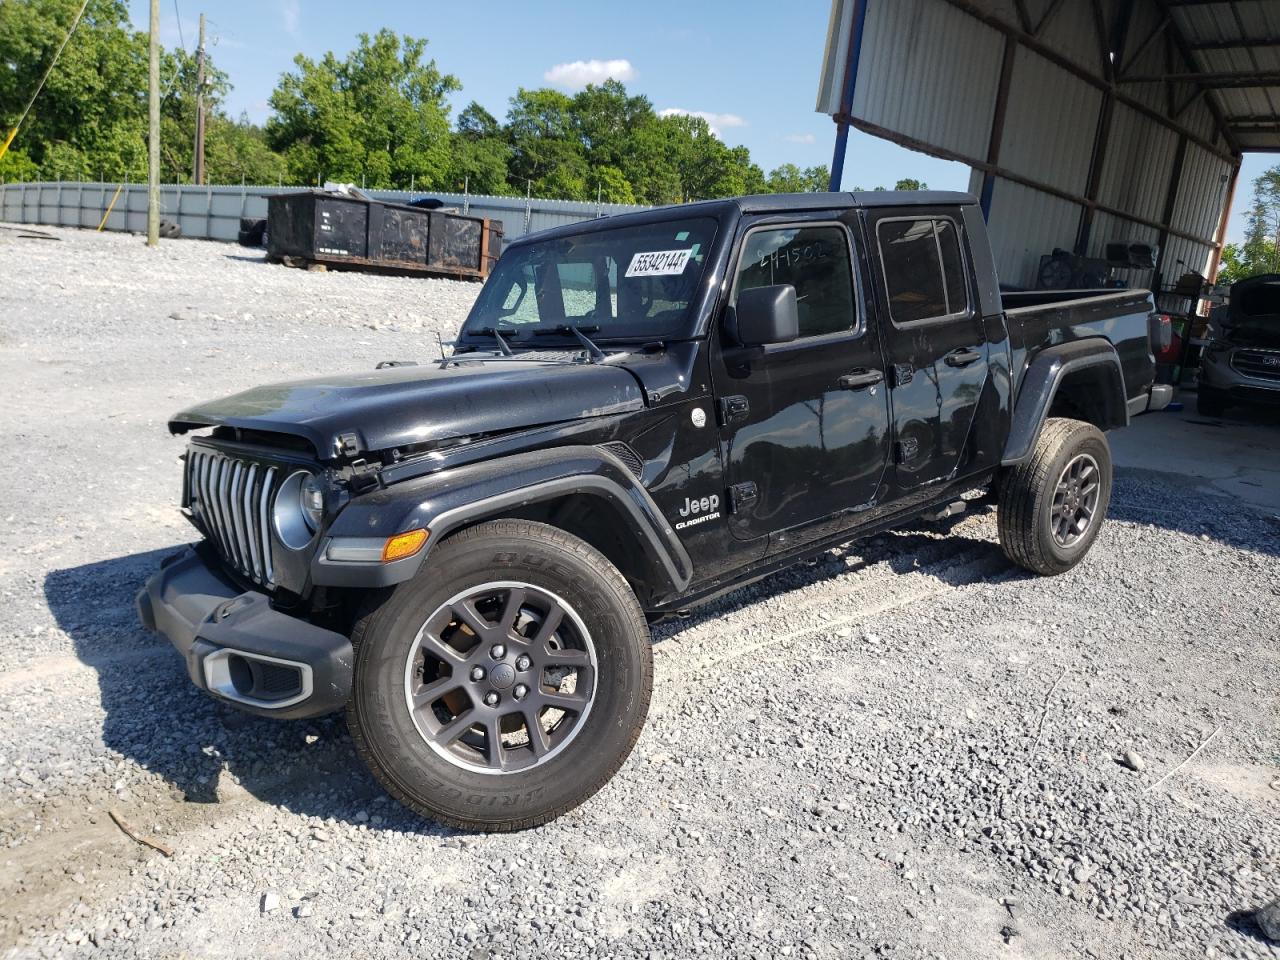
x=1234, y=42
x=1050, y=124
x=1137, y=165
x=911, y=46
x=929, y=78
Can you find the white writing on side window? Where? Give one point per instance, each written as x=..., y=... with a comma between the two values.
x=659, y=263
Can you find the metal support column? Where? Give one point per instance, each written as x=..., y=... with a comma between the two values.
x=997, y=123
x=1170, y=201
x=846, y=95
x=1100, y=139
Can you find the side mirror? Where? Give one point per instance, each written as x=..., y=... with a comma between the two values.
x=767, y=315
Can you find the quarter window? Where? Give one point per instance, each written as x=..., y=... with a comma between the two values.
x=814, y=260
x=923, y=270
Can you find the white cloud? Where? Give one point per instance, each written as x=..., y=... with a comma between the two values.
x=716, y=121
x=576, y=75
x=800, y=138
x=292, y=13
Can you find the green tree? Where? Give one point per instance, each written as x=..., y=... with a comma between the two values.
x=1260, y=251
x=705, y=168
x=377, y=116
x=90, y=118
x=477, y=123
x=547, y=155
x=236, y=151
x=612, y=186
x=909, y=183
x=479, y=153
x=789, y=178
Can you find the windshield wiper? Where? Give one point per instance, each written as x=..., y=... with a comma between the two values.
x=497, y=335
x=593, y=351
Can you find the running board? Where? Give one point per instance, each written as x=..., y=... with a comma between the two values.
x=950, y=510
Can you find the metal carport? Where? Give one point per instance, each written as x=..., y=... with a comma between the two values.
x=1083, y=121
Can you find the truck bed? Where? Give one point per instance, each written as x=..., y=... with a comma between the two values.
x=1042, y=318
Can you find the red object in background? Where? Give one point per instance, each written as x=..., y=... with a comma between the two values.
x=1173, y=352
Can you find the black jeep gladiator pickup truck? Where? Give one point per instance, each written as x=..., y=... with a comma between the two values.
x=640, y=412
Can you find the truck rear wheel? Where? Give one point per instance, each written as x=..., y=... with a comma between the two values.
x=506, y=683
x=1052, y=504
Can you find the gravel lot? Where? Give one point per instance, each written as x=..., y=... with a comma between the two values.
x=906, y=749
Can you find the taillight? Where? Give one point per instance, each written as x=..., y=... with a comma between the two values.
x=1161, y=334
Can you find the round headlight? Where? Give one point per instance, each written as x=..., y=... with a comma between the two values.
x=311, y=501
x=298, y=510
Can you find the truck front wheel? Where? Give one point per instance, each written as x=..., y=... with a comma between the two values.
x=1052, y=504
x=1209, y=402
x=506, y=683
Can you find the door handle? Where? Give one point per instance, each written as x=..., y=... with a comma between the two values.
x=860, y=379
x=962, y=357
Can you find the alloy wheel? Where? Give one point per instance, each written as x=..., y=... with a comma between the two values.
x=501, y=677
x=1075, y=500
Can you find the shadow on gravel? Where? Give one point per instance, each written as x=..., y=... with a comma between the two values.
x=954, y=559
x=1178, y=503
x=1245, y=923
x=156, y=718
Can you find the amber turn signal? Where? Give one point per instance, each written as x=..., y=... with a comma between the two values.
x=403, y=545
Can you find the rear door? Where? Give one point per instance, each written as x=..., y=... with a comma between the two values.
x=934, y=338
x=804, y=425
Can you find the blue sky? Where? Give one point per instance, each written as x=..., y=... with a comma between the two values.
x=752, y=69
x=755, y=68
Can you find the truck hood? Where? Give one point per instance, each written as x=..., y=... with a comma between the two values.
x=398, y=406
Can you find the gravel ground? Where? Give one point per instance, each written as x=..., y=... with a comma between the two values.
x=908, y=748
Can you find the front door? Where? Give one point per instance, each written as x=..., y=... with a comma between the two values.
x=804, y=425
x=934, y=340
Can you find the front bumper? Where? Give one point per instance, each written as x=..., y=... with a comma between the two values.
x=1218, y=373
x=239, y=649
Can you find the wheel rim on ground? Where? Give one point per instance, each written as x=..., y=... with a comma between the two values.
x=501, y=677
x=1075, y=500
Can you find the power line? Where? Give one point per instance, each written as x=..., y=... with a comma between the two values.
x=178, y=13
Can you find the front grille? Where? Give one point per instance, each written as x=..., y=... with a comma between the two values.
x=231, y=498
x=1265, y=365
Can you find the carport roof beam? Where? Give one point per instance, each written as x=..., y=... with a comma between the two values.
x=1042, y=49
x=1237, y=79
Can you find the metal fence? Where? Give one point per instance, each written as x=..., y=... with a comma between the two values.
x=214, y=213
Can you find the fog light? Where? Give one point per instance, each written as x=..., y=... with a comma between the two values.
x=403, y=545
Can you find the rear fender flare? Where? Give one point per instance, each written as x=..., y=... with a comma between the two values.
x=451, y=499
x=1039, y=385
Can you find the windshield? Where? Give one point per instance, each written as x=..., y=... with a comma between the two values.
x=627, y=282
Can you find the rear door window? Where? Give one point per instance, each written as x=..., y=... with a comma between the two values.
x=923, y=269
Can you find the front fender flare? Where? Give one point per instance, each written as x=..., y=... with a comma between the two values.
x=1039, y=385
x=446, y=501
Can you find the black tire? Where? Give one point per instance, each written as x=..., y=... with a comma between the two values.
x=251, y=232
x=1210, y=403
x=170, y=229
x=1026, y=512
x=433, y=780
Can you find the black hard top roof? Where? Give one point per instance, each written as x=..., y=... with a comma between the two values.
x=782, y=202
x=764, y=203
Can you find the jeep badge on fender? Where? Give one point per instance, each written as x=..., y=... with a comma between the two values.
x=692, y=508
x=465, y=554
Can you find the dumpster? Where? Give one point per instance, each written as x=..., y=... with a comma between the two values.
x=345, y=231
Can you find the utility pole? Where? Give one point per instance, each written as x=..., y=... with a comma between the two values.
x=153, y=139
x=198, y=173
